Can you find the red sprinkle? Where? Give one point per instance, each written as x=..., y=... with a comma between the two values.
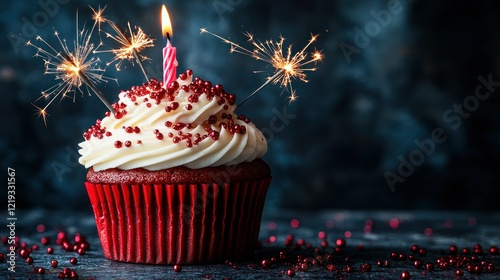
x=118, y=144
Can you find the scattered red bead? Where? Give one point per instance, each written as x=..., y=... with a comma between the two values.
x=405, y=275
x=67, y=271
x=394, y=223
x=177, y=268
x=418, y=264
x=304, y=267
x=422, y=252
x=494, y=250
x=40, y=228
x=40, y=270
x=478, y=249
x=414, y=248
x=348, y=269
x=429, y=266
x=453, y=249
x=24, y=253
x=340, y=242
x=366, y=267
x=295, y=223
x=73, y=261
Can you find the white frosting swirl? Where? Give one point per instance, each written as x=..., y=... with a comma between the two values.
x=152, y=137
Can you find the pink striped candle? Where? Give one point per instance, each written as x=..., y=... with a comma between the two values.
x=169, y=64
x=169, y=52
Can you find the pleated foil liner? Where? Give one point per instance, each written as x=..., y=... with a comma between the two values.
x=179, y=223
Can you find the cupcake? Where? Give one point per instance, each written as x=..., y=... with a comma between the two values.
x=175, y=176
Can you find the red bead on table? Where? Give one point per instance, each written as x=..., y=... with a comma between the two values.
x=24, y=253
x=405, y=275
x=40, y=270
x=340, y=242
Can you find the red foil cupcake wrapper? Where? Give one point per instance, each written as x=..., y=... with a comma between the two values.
x=178, y=224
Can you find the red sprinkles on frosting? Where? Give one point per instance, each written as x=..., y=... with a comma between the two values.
x=152, y=93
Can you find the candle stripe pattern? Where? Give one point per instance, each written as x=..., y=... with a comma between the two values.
x=169, y=64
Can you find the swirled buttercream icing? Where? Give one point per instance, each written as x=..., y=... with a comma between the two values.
x=191, y=123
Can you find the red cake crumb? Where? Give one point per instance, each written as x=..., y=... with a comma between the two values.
x=243, y=172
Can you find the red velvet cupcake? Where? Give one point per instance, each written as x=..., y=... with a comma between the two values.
x=175, y=176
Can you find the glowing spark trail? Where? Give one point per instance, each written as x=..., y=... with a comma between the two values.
x=288, y=66
x=130, y=46
x=71, y=68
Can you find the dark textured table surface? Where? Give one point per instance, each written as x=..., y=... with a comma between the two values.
x=370, y=237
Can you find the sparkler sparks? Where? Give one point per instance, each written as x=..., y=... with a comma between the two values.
x=72, y=68
x=130, y=46
x=288, y=66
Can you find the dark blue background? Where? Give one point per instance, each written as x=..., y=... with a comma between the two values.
x=384, y=84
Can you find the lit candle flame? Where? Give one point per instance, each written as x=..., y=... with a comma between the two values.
x=166, y=25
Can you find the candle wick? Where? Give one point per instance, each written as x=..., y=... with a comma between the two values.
x=167, y=38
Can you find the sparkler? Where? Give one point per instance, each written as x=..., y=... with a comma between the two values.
x=130, y=46
x=288, y=66
x=73, y=68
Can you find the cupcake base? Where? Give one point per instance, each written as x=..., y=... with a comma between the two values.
x=178, y=223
